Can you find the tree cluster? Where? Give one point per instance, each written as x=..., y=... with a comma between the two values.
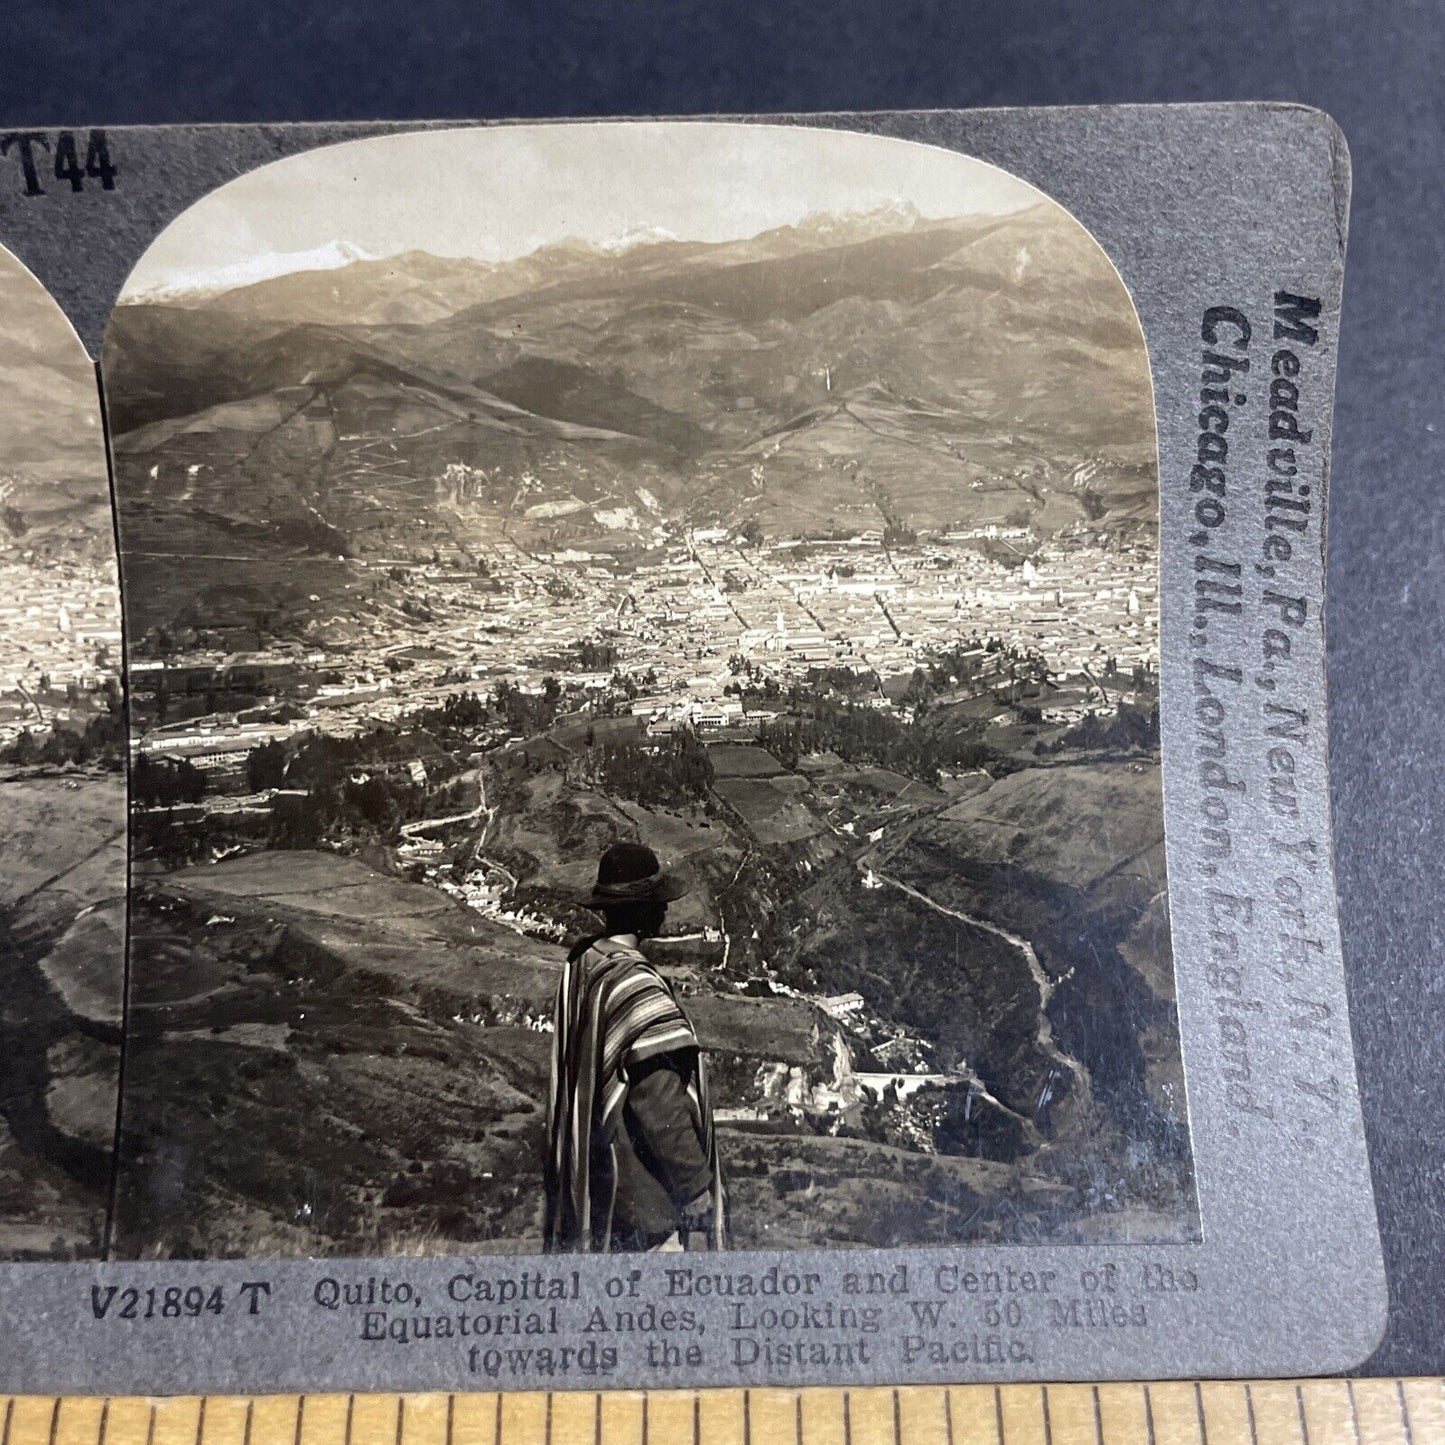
x=353, y=786
x=674, y=771
x=1129, y=728
x=595, y=656
x=859, y=735
x=164, y=782
x=101, y=742
x=527, y=713
x=456, y=723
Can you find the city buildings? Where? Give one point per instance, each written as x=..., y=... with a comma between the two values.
x=685, y=625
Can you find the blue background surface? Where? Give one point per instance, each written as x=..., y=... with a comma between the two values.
x=1379, y=69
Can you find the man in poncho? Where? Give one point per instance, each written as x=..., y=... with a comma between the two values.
x=631, y=1159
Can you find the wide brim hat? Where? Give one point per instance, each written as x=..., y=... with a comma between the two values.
x=633, y=873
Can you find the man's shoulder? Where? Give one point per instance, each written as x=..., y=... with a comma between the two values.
x=618, y=960
x=606, y=946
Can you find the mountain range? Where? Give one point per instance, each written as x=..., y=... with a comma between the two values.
x=846, y=372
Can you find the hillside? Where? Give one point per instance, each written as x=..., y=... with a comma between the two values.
x=287, y=1004
x=291, y=1004
x=54, y=492
x=1072, y=859
x=62, y=920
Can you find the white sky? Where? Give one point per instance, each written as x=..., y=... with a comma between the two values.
x=495, y=193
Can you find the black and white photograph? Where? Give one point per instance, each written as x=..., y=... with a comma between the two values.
x=62, y=788
x=643, y=659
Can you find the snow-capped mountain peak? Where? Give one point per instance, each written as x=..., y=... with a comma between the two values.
x=212, y=280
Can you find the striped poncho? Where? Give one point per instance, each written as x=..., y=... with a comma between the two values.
x=614, y=1011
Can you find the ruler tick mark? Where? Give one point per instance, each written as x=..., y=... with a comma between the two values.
x=1404, y=1412
x=54, y=1420
x=1098, y=1417
x=747, y=1417
x=1354, y=1411
x=497, y=1424
x=201, y=1422
x=451, y=1416
x=1299, y=1400
x=246, y=1432
x=1249, y=1410
x=597, y=1418
x=400, y=1418
x=100, y=1429
x=300, y=1417
x=1048, y=1422
x=151, y=1426
x=798, y=1417
x=1199, y=1413
x=998, y=1414
x=1149, y=1414
x=350, y=1412
x=948, y=1415
x=847, y=1419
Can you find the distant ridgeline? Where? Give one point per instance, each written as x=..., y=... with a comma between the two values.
x=885, y=374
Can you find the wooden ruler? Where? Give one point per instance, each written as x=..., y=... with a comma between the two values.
x=1273, y=1412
